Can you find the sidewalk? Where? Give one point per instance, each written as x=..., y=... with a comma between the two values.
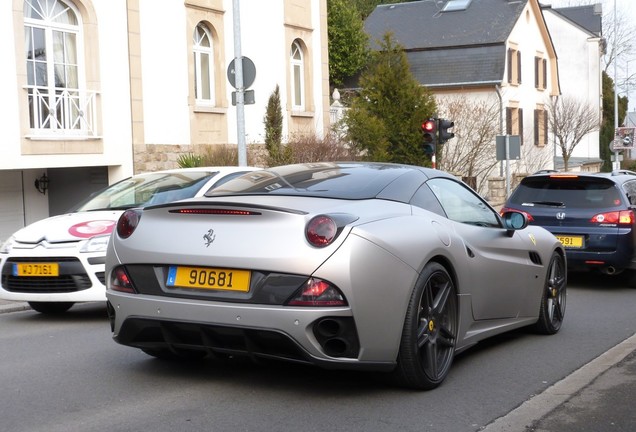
x=597, y=397
x=9, y=306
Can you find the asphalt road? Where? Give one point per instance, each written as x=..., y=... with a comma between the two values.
x=65, y=374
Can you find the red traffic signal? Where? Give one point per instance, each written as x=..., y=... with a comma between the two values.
x=429, y=125
x=429, y=129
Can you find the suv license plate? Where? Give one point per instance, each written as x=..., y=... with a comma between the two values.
x=574, y=242
x=208, y=278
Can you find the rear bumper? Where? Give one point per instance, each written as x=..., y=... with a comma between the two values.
x=326, y=337
x=604, y=249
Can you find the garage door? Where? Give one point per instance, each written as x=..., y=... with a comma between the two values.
x=11, y=204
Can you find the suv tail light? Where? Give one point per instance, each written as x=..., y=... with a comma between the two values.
x=623, y=217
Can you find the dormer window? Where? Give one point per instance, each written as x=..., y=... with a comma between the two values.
x=456, y=5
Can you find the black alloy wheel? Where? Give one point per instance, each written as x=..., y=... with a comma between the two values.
x=552, y=308
x=430, y=330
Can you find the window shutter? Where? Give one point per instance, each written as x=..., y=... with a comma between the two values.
x=537, y=83
x=521, y=125
x=545, y=127
x=536, y=127
x=508, y=121
x=545, y=75
x=509, y=65
x=518, y=67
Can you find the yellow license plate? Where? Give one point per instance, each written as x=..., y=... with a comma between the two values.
x=36, y=269
x=571, y=241
x=209, y=278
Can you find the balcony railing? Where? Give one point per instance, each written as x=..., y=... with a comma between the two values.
x=62, y=113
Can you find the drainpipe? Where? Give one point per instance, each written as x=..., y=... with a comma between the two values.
x=498, y=91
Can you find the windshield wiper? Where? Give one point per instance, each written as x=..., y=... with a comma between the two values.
x=549, y=203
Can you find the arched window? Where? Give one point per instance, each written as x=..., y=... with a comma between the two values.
x=203, y=49
x=54, y=74
x=298, y=76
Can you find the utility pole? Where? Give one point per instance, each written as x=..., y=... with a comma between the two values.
x=616, y=164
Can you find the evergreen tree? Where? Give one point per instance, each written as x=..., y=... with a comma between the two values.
x=348, y=41
x=607, y=129
x=384, y=121
x=273, y=121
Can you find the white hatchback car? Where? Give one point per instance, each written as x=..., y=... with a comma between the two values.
x=58, y=261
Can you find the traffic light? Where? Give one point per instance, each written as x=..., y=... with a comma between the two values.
x=429, y=131
x=444, y=134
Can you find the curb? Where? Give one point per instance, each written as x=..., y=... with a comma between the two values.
x=542, y=404
x=6, y=307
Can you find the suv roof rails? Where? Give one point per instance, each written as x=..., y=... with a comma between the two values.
x=623, y=172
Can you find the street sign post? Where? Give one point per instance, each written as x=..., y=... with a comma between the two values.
x=249, y=72
x=623, y=139
x=508, y=147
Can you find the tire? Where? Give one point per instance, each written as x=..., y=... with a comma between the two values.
x=553, y=300
x=51, y=308
x=430, y=329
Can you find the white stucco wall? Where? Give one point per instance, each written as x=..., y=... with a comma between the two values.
x=530, y=42
x=262, y=41
x=579, y=62
x=165, y=72
x=9, y=120
x=115, y=87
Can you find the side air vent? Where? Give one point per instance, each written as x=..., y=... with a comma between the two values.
x=535, y=258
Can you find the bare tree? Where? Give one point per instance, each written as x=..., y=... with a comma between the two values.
x=533, y=158
x=570, y=119
x=471, y=153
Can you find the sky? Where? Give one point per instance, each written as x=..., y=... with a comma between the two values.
x=625, y=7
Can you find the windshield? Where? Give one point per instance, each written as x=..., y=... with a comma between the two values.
x=320, y=179
x=147, y=189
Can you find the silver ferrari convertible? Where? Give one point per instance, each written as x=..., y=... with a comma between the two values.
x=370, y=266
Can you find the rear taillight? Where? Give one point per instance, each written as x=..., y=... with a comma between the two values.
x=120, y=281
x=508, y=209
x=321, y=231
x=317, y=292
x=623, y=217
x=128, y=222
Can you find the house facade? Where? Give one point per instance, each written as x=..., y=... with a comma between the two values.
x=102, y=89
x=578, y=40
x=490, y=53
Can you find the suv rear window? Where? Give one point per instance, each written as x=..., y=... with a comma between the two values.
x=571, y=192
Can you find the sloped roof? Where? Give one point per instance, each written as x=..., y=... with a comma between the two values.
x=422, y=25
x=465, y=47
x=587, y=17
x=459, y=66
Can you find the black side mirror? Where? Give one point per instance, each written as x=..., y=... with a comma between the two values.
x=514, y=220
